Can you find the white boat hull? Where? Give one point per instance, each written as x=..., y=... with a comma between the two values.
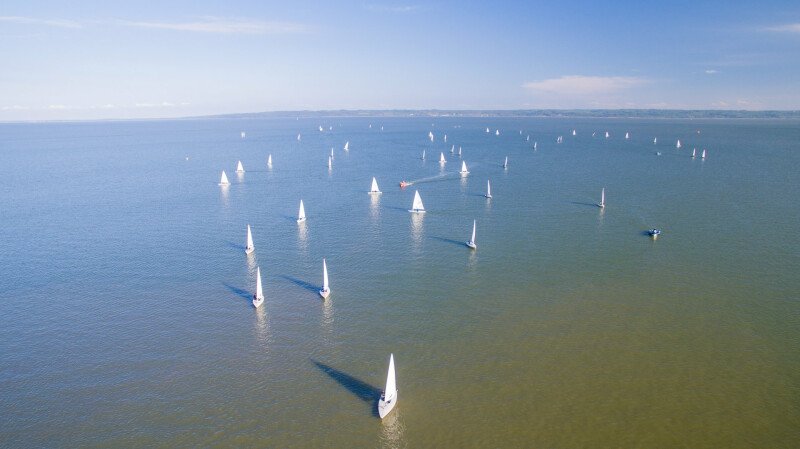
x=300, y=220
x=385, y=407
x=471, y=245
x=488, y=196
x=249, y=250
x=375, y=193
x=257, y=302
x=416, y=211
x=325, y=293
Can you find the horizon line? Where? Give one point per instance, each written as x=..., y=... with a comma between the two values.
x=434, y=112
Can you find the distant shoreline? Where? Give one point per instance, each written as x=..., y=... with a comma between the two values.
x=522, y=113
x=476, y=113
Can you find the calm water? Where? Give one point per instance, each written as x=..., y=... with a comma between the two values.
x=125, y=315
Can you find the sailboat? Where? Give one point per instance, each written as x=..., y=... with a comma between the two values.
x=471, y=243
x=301, y=215
x=627, y=135
x=505, y=163
x=452, y=149
x=678, y=145
x=606, y=134
x=243, y=134
x=249, y=248
x=488, y=190
x=258, y=298
x=320, y=128
x=464, y=170
x=330, y=162
x=325, y=288
x=223, y=180
x=528, y=138
x=703, y=156
x=430, y=135
x=487, y=130
x=239, y=167
x=331, y=152
x=442, y=160
x=497, y=132
x=694, y=153
x=269, y=161
x=347, y=146
x=298, y=137
x=423, y=155
x=602, y=202
x=445, y=138
x=374, y=189
x=417, y=206
x=655, y=139
x=573, y=132
x=459, y=151
x=535, y=144
x=389, y=395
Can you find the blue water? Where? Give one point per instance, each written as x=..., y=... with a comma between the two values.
x=125, y=315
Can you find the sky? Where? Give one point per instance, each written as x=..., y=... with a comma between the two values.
x=67, y=60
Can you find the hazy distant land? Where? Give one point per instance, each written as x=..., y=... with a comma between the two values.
x=576, y=113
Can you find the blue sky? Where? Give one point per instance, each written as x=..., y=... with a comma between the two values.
x=109, y=59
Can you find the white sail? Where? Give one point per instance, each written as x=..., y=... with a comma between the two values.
x=459, y=151
x=374, y=188
x=487, y=130
x=389, y=396
x=464, y=170
x=243, y=135
x=325, y=288
x=528, y=138
x=678, y=144
x=452, y=149
x=442, y=159
x=423, y=155
x=497, y=132
x=602, y=198
x=445, y=138
x=269, y=161
x=258, y=298
x=301, y=215
x=573, y=132
x=223, y=180
x=655, y=139
x=488, y=189
x=239, y=167
x=703, y=156
x=417, y=205
x=471, y=242
x=298, y=136
x=430, y=135
x=627, y=135
x=249, y=246
x=320, y=128
x=347, y=146
x=535, y=144
x=694, y=153
x=606, y=134
x=330, y=163
x=331, y=151
x=505, y=163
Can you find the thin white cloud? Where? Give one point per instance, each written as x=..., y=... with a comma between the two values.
x=787, y=28
x=711, y=72
x=61, y=23
x=391, y=8
x=584, y=85
x=222, y=25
